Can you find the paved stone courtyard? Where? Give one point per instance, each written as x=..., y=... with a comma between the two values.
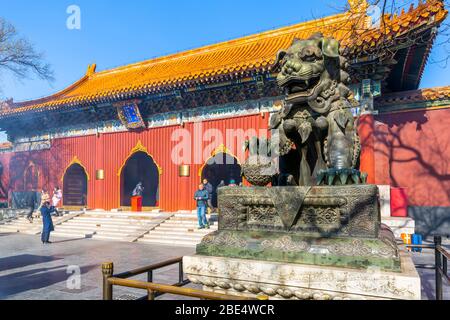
x=30, y=270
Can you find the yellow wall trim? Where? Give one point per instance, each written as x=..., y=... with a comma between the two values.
x=75, y=160
x=220, y=149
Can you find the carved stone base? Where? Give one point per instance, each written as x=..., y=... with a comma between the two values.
x=324, y=211
x=304, y=282
x=359, y=253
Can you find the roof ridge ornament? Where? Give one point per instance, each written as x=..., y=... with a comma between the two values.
x=91, y=69
x=6, y=104
x=358, y=6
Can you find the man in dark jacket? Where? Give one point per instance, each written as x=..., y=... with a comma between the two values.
x=32, y=204
x=202, y=196
x=46, y=214
x=208, y=187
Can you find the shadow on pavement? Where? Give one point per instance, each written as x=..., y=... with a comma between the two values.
x=35, y=279
x=24, y=260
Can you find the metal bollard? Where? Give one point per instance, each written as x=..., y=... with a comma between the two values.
x=180, y=272
x=150, y=294
x=107, y=271
x=438, y=266
x=150, y=276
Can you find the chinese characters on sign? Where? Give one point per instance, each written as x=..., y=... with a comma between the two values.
x=129, y=115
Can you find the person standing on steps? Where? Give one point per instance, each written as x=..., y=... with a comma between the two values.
x=208, y=187
x=32, y=204
x=47, y=222
x=56, y=199
x=44, y=197
x=202, y=196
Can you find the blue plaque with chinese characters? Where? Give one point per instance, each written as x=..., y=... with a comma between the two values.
x=129, y=115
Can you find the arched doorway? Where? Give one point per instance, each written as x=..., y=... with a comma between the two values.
x=75, y=186
x=140, y=167
x=31, y=178
x=221, y=167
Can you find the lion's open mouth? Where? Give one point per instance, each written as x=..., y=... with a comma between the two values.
x=295, y=88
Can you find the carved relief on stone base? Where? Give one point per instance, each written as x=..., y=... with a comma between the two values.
x=296, y=281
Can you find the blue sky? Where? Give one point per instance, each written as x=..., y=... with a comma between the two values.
x=115, y=33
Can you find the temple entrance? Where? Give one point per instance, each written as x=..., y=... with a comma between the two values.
x=222, y=167
x=31, y=178
x=75, y=186
x=140, y=167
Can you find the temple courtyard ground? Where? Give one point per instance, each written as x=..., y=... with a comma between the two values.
x=32, y=271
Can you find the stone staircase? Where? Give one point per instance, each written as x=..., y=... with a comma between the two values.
x=115, y=226
x=21, y=225
x=180, y=230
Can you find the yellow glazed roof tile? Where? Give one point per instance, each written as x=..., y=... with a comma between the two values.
x=255, y=52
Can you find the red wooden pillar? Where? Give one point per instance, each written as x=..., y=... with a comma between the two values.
x=366, y=130
x=99, y=192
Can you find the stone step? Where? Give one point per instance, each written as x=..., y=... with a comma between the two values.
x=193, y=238
x=183, y=216
x=128, y=230
x=193, y=221
x=71, y=234
x=9, y=229
x=170, y=242
x=26, y=226
x=76, y=230
x=19, y=224
x=19, y=220
x=113, y=226
x=31, y=231
x=108, y=237
x=182, y=225
x=26, y=223
x=181, y=228
x=196, y=237
x=195, y=231
x=114, y=221
x=76, y=225
x=178, y=233
x=107, y=226
x=192, y=218
x=113, y=234
x=127, y=216
x=118, y=220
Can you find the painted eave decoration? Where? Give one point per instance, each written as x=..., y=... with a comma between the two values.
x=414, y=96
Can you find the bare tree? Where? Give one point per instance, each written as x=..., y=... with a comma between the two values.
x=18, y=56
x=388, y=9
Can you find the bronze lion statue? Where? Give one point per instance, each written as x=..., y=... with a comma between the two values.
x=316, y=119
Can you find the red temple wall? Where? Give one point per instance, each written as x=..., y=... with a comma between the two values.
x=408, y=149
x=412, y=151
x=5, y=178
x=367, y=162
x=110, y=151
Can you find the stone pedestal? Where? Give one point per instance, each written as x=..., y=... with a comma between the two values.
x=334, y=226
x=304, y=282
x=322, y=242
x=385, y=200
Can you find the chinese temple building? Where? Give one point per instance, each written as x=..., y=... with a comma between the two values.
x=111, y=129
